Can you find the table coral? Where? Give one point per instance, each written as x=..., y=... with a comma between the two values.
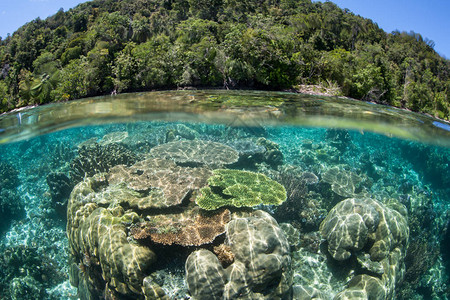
x=157, y=183
x=190, y=228
x=261, y=267
x=240, y=189
x=196, y=152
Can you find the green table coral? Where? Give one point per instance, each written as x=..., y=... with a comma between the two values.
x=240, y=189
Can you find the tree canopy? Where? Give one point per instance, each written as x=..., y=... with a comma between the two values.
x=106, y=46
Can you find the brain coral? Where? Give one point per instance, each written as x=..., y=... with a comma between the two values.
x=261, y=268
x=240, y=188
x=196, y=152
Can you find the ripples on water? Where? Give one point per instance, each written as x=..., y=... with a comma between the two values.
x=376, y=178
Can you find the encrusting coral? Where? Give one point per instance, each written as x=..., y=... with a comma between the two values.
x=261, y=268
x=240, y=189
x=196, y=152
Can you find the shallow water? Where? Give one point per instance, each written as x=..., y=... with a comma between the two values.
x=133, y=197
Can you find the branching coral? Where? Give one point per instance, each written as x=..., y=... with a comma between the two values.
x=93, y=159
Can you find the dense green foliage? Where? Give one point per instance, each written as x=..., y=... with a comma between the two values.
x=106, y=46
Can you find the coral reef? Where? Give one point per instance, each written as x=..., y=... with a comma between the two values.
x=250, y=153
x=292, y=234
x=239, y=188
x=302, y=207
x=224, y=254
x=261, y=267
x=114, y=218
x=196, y=152
x=113, y=138
x=11, y=207
x=273, y=155
x=8, y=176
x=94, y=158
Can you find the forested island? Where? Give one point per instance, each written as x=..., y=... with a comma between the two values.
x=115, y=46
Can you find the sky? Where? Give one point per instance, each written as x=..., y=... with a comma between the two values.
x=430, y=18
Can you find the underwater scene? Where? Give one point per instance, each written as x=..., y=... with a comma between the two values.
x=223, y=195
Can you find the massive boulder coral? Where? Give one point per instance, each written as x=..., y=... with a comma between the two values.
x=353, y=223
x=378, y=236
x=196, y=152
x=98, y=240
x=240, y=189
x=114, y=218
x=261, y=268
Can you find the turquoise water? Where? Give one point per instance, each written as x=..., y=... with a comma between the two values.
x=223, y=195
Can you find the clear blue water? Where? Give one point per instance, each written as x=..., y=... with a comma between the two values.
x=81, y=215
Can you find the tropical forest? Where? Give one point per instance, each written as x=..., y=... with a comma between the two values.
x=104, y=47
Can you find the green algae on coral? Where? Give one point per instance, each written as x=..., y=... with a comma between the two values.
x=240, y=189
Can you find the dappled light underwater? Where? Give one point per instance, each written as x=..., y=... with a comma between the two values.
x=193, y=210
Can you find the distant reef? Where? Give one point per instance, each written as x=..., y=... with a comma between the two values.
x=113, y=46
